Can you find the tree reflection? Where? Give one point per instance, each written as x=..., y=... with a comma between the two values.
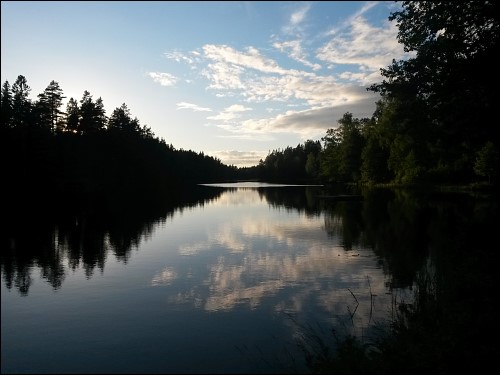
x=51, y=237
x=402, y=227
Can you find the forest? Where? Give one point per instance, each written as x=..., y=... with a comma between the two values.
x=434, y=123
x=82, y=152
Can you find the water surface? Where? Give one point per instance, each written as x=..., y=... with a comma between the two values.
x=225, y=280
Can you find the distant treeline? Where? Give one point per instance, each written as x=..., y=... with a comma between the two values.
x=435, y=123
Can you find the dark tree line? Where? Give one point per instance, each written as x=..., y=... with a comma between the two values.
x=436, y=119
x=80, y=151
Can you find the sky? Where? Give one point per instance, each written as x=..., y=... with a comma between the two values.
x=234, y=80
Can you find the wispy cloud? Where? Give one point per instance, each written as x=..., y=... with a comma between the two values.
x=230, y=113
x=250, y=59
x=295, y=51
x=363, y=46
x=164, y=79
x=193, y=107
x=349, y=20
x=306, y=124
x=296, y=19
x=178, y=56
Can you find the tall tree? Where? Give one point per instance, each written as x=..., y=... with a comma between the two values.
x=121, y=120
x=351, y=146
x=72, y=116
x=312, y=150
x=21, y=104
x=91, y=114
x=51, y=100
x=341, y=156
x=6, y=103
x=100, y=114
x=329, y=157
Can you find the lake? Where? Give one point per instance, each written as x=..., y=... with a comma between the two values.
x=220, y=278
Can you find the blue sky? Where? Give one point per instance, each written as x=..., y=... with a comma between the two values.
x=232, y=79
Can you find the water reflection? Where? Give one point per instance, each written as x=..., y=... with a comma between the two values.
x=57, y=239
x=231, y=263
x=254, y=252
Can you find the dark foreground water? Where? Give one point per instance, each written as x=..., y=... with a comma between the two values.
x=219, y=279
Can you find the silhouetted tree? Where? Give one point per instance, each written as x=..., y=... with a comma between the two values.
x=21, y=103
x=121, y=120
x=375, y=154
x=91, y=115
x=100, y=114
x=72, y=116
x=48, y=105
x=7, y=104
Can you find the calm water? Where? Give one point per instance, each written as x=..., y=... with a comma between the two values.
x=222, y=279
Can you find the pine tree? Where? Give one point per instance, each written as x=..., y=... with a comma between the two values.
x=6, y=103
x=72, y=116
x=21, y=104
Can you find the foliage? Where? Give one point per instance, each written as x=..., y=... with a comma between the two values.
x=300, y=163
x=447, y=80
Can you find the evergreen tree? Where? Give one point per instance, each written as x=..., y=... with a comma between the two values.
x=100, y=114
x=21, y=104
x=6, y=105
x=91, y=115
x=121, y=120
x=52, y=98
x=72, y=116
x=41, y=112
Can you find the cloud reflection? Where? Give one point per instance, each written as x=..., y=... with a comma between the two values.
x=165, y=277
x=281, y=257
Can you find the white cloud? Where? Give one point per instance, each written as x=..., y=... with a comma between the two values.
x=307, y=124
x=164, y=79
x=235, y=73
x=191, y=106
x=178, y=56
x=299, y=16
x=252, y=59
x=362, y=45
x=296, y=19
x=223, y=76
x=230, y=113
x=347, y=23
x=295, y=52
